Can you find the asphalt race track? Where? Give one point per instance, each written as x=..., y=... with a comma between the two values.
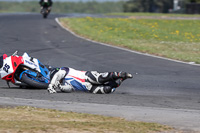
x=162, y=91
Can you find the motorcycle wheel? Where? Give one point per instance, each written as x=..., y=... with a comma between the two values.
x=33, y=83
x=45, y=16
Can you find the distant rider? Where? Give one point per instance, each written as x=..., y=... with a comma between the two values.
x=46, y=3
x=68, y=79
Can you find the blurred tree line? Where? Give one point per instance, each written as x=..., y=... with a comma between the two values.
x=64, y=7
x=159, y=6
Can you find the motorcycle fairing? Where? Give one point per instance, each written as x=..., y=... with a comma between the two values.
x=10, y=65
x=34, y=76
x=31, y=62
x=35, y=64
x=44, y=71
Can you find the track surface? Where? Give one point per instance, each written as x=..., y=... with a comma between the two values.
x=159, y=83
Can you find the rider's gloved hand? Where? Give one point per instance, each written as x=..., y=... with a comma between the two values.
x=50, y=89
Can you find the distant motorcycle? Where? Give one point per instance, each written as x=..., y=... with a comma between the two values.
x=45, y=7
x=24, y=71
x=45, y=11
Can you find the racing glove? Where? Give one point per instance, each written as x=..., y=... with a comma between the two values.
x=50, y=89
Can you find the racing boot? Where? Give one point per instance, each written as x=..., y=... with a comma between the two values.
x=101, y=78
x=123, y=75
x=118, y=82
x=101, y=89
x=115, y=83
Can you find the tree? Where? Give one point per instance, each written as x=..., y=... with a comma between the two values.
x=161, y=6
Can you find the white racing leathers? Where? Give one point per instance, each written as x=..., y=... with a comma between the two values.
x=69, y=79
x=75, y=80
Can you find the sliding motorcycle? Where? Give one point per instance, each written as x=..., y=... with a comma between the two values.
x=24, y=71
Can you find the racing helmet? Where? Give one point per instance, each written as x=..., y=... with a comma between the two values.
x=1, y=61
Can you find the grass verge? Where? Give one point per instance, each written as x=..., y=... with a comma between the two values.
x=175, y=39
x=153, y=14
x=37, y=120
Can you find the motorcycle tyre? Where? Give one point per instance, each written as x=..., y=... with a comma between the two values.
x=45, y=16
x=34, y=83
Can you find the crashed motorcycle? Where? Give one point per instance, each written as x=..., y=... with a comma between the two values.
x=24, y=71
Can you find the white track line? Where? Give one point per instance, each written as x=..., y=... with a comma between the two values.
x=180, y=118
x=190, y=63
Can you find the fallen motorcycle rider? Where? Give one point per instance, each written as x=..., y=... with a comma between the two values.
x=68, y=80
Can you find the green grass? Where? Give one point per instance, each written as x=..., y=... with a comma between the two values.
x=153, y=14
x=36, y=120
x=176, y=39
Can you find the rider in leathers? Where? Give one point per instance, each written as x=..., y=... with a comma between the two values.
x=46, y=3
x=68, y=79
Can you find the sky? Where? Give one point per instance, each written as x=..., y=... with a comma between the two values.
x=66, y=0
